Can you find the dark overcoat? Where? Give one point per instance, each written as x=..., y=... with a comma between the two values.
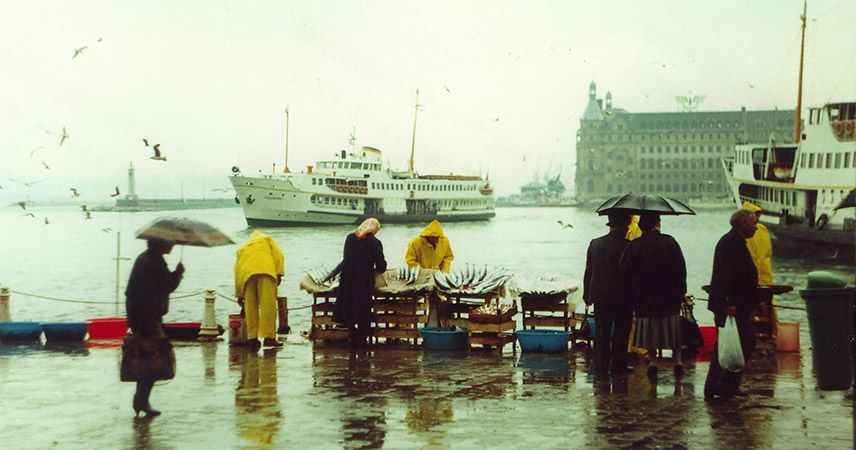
x=602, y=282
x=656, y=272
x=362, y=260
x=147, y=294
x=734, y=278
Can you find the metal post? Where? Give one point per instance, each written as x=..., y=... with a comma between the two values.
x=118, y=258
x=282, y=310
x=208, y=330
x=4, y=305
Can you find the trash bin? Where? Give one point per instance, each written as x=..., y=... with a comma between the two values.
x=829, y=307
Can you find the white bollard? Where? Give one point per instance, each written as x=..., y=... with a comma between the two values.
x=4, y=305
x=208, y=330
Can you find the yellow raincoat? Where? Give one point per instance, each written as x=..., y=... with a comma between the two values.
x=258, y=269
x=761, y=248
x=420, y=252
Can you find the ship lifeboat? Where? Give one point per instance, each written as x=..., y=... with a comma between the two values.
x=782, y=172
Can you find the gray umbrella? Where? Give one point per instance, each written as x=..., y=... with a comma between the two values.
x=640, y=203
x=184, y=232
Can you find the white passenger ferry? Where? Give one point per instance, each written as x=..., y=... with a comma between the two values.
x=802, y=187
x=357, y=185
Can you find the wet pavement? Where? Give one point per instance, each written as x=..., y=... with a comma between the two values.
x=326, y=397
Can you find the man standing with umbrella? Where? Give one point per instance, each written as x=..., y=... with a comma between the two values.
x=604, y=287
x=258, y=272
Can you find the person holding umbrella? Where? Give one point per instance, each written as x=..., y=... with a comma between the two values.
x=362, y=260
x=146, y=302
x=655, y=268
x=258, y=272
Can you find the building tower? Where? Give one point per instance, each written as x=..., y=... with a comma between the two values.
x=132, y=185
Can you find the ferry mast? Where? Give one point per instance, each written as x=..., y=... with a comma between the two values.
x=798, y=119
x=413, y=141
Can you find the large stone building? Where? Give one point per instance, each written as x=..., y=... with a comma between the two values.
x=676, y=154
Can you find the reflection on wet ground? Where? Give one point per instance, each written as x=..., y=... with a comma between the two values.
x=228, y=397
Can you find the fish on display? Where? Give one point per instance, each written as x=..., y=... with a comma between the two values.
x=441, y=280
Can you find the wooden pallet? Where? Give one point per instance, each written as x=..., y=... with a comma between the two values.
x=323, y=328
x=399, y=316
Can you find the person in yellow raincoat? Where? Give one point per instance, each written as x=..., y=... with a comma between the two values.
x=430, y=250
x=761, y=248
x=258, y=272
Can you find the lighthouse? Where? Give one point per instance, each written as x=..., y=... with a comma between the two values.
x=132, y=185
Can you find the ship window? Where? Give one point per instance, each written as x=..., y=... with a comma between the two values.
x=838, y=160
x=356, y=165
x=828, y=161
x=802, y=160
x=847, y=160
x=811, y=160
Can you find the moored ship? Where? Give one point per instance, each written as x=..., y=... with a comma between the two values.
x=806, y=187
x=357, y=185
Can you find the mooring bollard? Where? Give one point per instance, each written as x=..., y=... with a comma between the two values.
x=4, y=305
x=208, y=330
x=282, y=310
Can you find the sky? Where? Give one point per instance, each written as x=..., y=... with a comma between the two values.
x=502, y=84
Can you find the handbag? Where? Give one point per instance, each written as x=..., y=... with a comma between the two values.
x=147, y=359
x=690, y=333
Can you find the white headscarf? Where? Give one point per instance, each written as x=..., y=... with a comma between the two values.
x=369, y=226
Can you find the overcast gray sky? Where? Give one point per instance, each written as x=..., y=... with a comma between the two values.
x=210, y=81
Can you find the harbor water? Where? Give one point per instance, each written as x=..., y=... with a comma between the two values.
x=395, y=397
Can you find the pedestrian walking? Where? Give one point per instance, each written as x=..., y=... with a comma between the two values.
x=733, y=293
x=259, y=268
x=604, y=287
x=362, y=260
x=656, y=272
x=146, y=302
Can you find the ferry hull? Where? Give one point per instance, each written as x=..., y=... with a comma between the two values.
x=315, y=219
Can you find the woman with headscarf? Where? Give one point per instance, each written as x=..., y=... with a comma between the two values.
x=146, y=302
x=362, y=259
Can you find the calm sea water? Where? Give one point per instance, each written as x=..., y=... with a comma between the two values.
x=73, y=258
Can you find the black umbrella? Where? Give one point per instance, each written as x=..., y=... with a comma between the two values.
x=640, y=203
x=184, y=232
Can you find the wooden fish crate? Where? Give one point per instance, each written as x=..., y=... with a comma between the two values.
x=549, y=311
x=487, y=335
x=397, y=316
x=323, y=327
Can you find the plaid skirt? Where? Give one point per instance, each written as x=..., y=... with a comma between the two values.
x=658, y=332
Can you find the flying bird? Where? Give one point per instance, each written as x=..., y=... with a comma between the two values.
x=78, y=51
x=83, y=208
x=23, y=205
x=47, y=222
x=447, y=89
x=88, y=215
x=145, y=141
x=74, y=193
x=100, y=39
x=64, y=136
x=565, y=225
x=751, y=86
x=106, y=230
x=158, y=156
x=115, y=194
x=46, y=165
x=30, y=215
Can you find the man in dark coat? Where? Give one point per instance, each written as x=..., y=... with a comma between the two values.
x=147, y=301
x=733, y=293
x=604, y=288
x=362, y=260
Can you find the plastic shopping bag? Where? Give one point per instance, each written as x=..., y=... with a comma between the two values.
x=730, y=353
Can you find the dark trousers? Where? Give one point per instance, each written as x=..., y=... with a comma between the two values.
x=611, y=332
x=723, y=382
x=141, y=396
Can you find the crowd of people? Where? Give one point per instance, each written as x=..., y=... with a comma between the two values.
x=635, y=277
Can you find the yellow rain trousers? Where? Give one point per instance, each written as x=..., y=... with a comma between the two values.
x=258, y=266
x=420, y=252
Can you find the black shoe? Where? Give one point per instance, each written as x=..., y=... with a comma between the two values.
x=150, y=412
x=272, y=342
x=255, y=344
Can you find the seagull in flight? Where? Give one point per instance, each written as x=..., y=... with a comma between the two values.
x=106, y=230
x=64, y=136
x=83, y=208
x=88, y=215
x=23, y=205
x=74, y=192
x=47, y=222
x=565, y=225
x=30, y=215
x=115, y=194
x=447, y=89
x=78, y=51
x=158, y=156
x=46, y=165
x=146, y=141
